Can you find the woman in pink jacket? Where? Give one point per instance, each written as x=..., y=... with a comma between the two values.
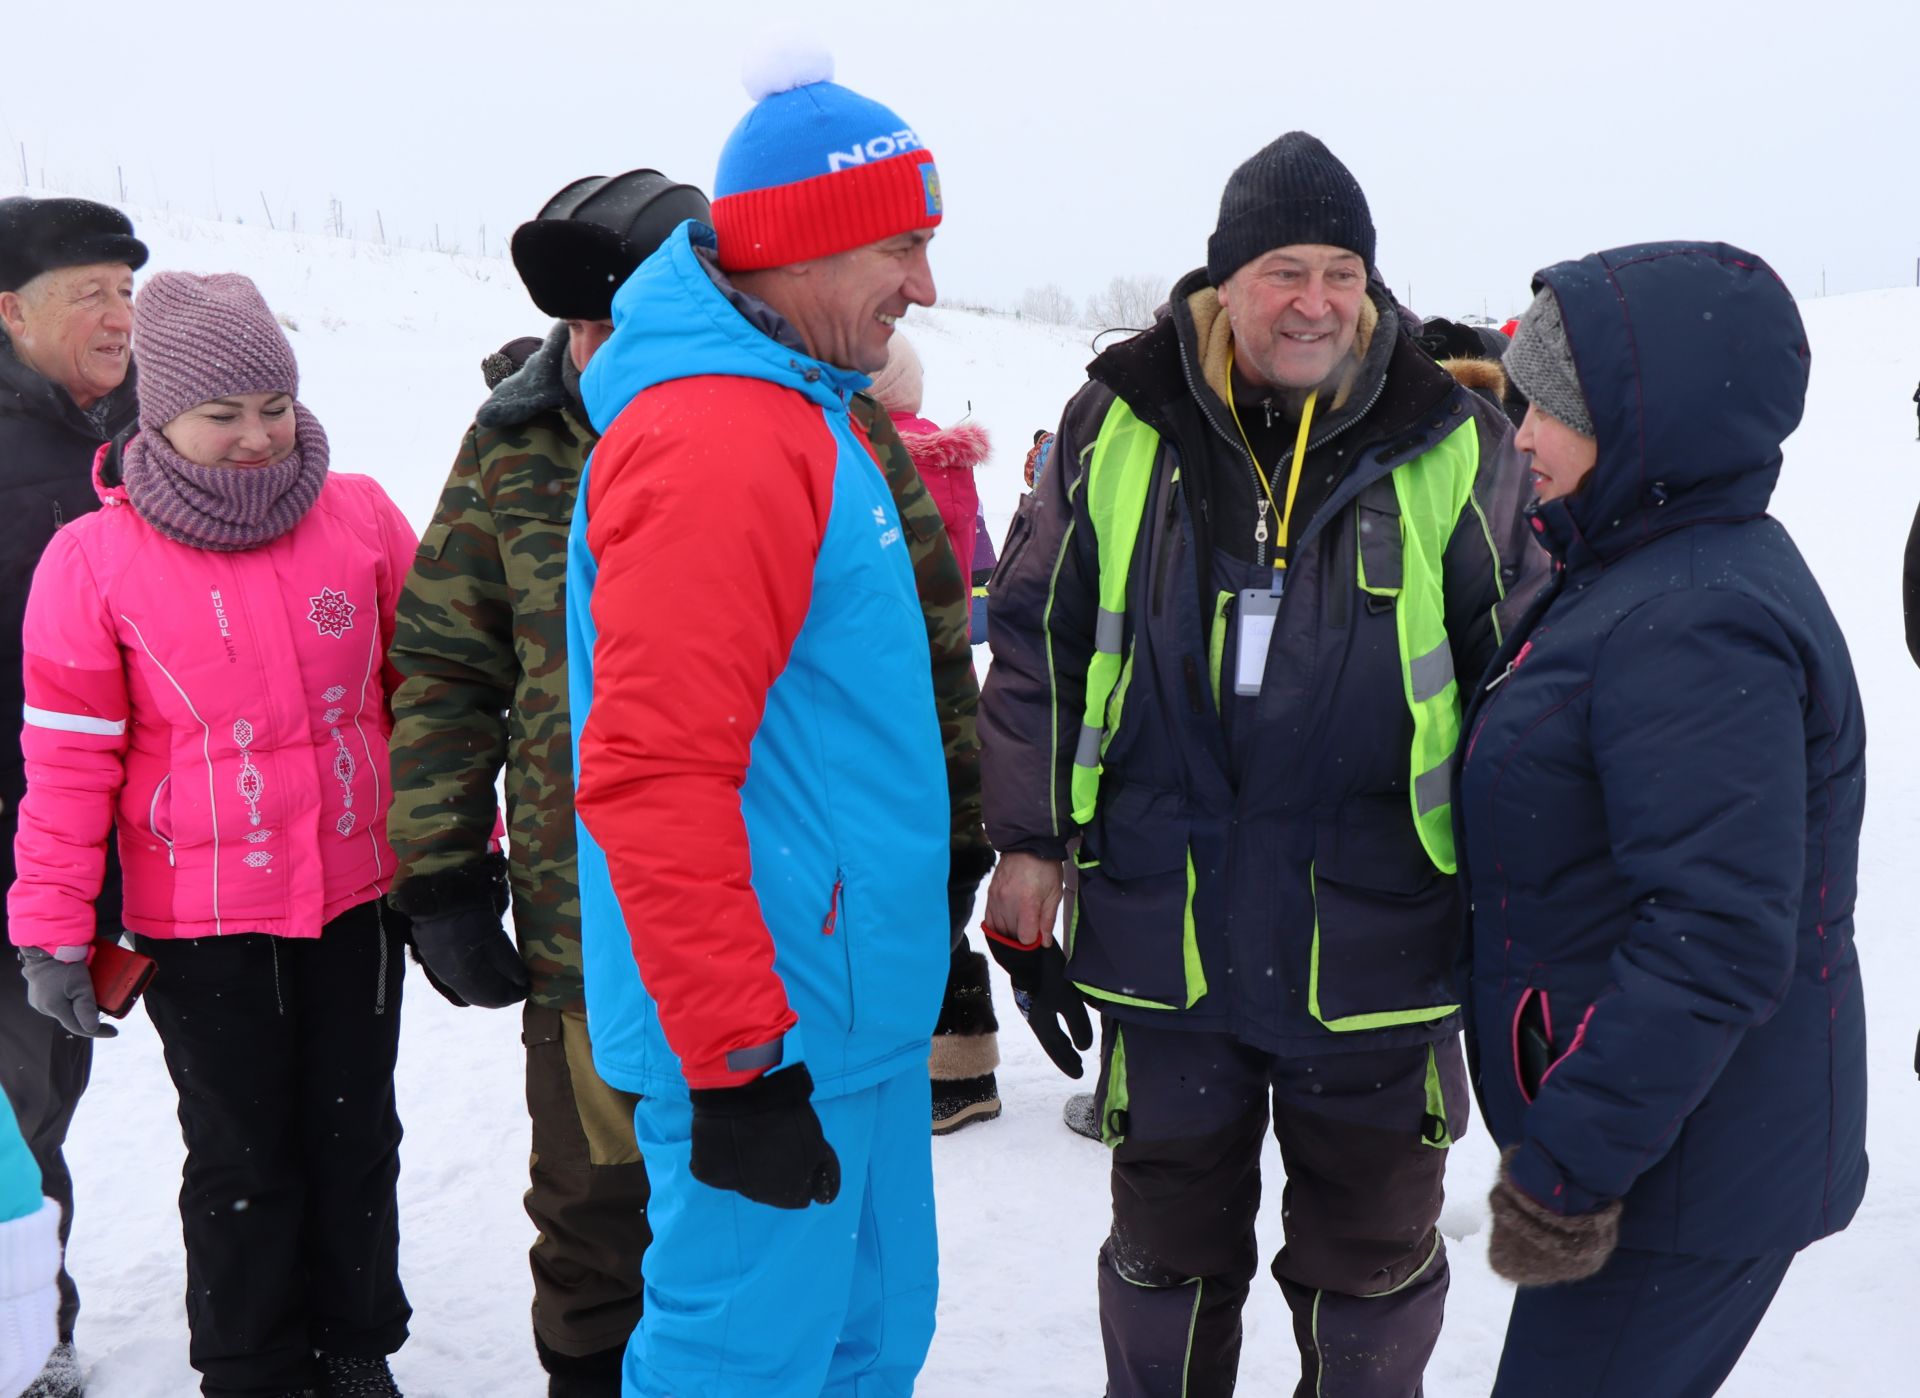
x=206, y=678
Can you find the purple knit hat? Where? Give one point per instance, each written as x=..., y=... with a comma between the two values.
x=198, y=338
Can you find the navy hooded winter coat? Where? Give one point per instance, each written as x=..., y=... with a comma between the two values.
x=1660, y=796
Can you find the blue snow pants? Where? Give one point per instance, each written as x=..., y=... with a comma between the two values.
x=834, y=1301
x=1647, y=1325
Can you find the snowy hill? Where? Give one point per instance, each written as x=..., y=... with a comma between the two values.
x=389, y=344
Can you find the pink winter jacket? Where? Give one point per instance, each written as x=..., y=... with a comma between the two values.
x=225, y=713
x=946, y=458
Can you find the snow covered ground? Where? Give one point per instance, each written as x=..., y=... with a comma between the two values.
x=390, y=344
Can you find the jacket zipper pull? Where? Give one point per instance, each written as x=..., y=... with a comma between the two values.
x=1512, y=665
x=833, y=909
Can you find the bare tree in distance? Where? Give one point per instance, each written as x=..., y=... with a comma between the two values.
x=1128, y=303
x=1049, y=304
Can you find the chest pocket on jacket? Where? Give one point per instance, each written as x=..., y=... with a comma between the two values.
x=532, y=527
x=1385, y=926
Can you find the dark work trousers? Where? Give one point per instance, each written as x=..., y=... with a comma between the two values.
x=1364, y=1269
x=1647, y=1325
x=587, y=1196
x=43, y=1070
x=283, y=1050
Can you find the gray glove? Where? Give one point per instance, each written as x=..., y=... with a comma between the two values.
x=63, y=990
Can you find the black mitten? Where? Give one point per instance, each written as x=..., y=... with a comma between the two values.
x=467, y=952
x=762, y=1140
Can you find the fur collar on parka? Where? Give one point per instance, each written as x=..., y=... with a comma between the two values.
x=546, y=383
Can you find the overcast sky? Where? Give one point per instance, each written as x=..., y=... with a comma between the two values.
x=1075, y=140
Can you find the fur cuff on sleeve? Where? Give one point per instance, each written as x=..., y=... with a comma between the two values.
x=1531, y=1245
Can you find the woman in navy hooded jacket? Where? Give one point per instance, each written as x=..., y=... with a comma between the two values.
x=1660, y=806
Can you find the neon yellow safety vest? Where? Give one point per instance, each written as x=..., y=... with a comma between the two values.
x=1430, y=493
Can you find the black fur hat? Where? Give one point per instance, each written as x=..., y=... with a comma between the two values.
x=43, y=235
x=592, y=234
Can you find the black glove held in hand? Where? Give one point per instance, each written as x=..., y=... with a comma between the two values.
x=762, y=1140
x=1040, y=973
x=469, y=957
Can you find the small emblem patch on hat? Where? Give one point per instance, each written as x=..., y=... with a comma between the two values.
x=930, y=183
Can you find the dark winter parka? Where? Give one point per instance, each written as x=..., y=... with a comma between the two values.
x=1252, y=866
x=47, y=446
x=1660, y=803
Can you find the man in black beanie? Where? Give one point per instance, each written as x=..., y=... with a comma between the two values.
x=66, y=388
x=1229, y=662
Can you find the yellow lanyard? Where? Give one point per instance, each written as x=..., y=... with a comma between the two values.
x=1283, y=517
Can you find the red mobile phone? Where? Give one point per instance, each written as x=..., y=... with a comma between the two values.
x=118, y=975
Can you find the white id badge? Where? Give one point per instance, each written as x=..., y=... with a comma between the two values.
x=1253, y=626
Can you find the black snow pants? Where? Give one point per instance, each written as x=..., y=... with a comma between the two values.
x=1363, y=1269
x=283, y=1052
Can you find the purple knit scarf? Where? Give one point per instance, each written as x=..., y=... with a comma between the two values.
x=225, y=508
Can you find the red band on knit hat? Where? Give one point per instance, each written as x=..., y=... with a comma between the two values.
x=818, y=217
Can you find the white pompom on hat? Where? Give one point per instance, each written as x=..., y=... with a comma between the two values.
x=783, y=61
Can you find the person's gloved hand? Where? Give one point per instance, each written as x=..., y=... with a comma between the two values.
x=1531, y=1245
x=762, y=1140
x=62, y=990
x=1039, y=974
x=469, y=957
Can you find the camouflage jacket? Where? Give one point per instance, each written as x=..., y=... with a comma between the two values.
x=946, y=599
x=480, y=646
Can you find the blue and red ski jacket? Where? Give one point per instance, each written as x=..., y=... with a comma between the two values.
x=762, y=795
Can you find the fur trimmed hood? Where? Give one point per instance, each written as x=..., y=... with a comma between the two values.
x=962, y=448
x=1482, y=375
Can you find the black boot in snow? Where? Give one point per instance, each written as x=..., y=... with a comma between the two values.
x=595, y=1375
x=60, y=1378
x=963, y=1101
x=966, y=1047
x=352, y=1376
x=1081, y=1117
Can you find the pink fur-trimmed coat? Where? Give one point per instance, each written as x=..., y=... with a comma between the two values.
x=947, y=458
x=224, y=713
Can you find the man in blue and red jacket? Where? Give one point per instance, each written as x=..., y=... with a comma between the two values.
x=762, y=803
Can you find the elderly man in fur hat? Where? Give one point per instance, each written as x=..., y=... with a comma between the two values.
x=66, y=387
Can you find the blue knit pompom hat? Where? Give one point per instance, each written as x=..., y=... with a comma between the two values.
x=815, y=168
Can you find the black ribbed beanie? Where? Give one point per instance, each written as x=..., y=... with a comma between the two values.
x=1294, y=191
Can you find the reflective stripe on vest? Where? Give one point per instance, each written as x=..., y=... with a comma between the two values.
x=1430, y=492
x=1118, y=474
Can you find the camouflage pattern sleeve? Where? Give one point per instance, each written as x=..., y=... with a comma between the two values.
x=945, y=598
x=453, y=648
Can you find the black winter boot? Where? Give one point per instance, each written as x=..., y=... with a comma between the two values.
x=966, y=1047
x=595, y=1375
x=61, y=1376
x=1081, y=1116
x=355, y=1376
